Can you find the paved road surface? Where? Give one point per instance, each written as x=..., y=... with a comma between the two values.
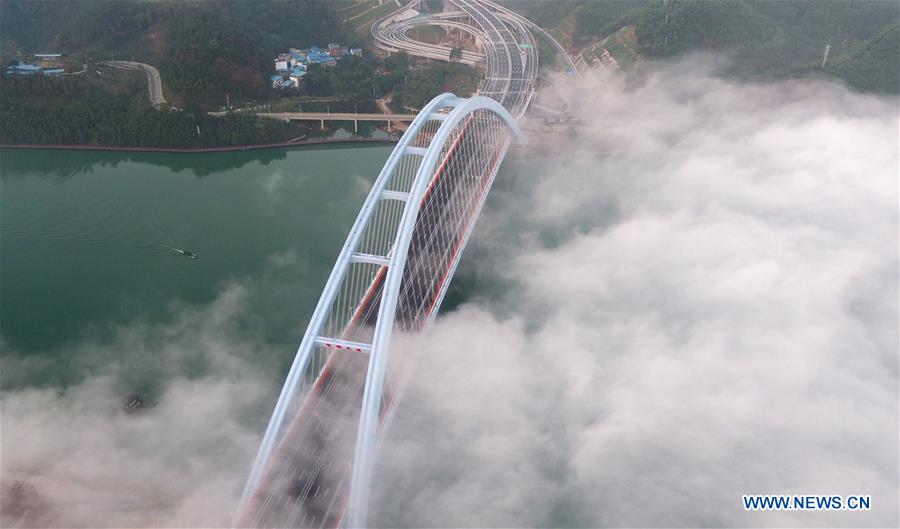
x=510, y=69
x=154, y=81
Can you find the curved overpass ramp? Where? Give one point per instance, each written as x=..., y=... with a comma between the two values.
x=509, y=52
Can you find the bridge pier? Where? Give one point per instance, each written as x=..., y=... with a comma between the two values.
x=321, y=124
x=355, y=128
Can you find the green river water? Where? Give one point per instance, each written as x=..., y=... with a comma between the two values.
x=87, y=237
x=96, y=304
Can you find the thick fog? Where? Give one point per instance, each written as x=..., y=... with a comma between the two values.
x=702, y=304
x=75, y=458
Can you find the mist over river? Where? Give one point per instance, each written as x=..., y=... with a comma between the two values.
x=89, y=240
x=100, y=301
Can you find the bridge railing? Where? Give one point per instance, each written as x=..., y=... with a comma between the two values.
x=343, y=292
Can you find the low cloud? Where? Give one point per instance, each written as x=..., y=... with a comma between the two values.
x=700, y=302
x=273, y=181
x=72, y=456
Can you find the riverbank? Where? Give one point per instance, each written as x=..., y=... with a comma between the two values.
x=230, y=148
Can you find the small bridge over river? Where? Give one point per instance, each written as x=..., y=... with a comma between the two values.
x=322, y=117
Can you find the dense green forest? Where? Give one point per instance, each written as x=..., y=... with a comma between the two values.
x=423, y=85
x=208, y=49
x=591, y=18
x=763, y=38
x=413, y=87
x=873, y=65
x=782, y=39
x=203, y=49
x=356, y=82
x=700, y=24
x=353, y=79
x=598, y=17
x=77, y=111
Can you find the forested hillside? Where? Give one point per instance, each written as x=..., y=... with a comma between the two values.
x=873, y=65
x=763, y=38
x=203, y=49
x=76, y=111
x=675, y=28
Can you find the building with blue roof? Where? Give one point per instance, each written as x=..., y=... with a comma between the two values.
x=283, y=82
x=292, y=66
x=23, y=68
x=323, y=58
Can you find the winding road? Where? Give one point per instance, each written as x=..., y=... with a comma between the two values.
x=510, y=53
x=154, y=81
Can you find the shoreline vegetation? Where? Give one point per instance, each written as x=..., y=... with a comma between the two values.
x=214, y=55
x=113, y=109
x=188, y=150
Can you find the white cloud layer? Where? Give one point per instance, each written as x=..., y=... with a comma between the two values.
x=73, y=458
x=714, y=315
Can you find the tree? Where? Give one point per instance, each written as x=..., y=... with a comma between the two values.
x=455, y=54
x=397, y=62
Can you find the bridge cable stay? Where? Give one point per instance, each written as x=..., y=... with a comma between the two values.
x=330, y=314
x=314, y=465
x=448, y=192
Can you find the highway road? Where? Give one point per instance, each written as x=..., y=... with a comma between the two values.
x=154, y=81
x=513, y=17
x=510, y=52
x=511, y=68
x=393, y=35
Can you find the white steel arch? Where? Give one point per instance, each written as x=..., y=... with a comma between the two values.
x=392, y=272
x=371, y=411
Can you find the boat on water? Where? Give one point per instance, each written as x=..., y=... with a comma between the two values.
x=187, y=253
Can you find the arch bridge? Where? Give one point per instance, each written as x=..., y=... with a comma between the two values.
x=314, y=465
